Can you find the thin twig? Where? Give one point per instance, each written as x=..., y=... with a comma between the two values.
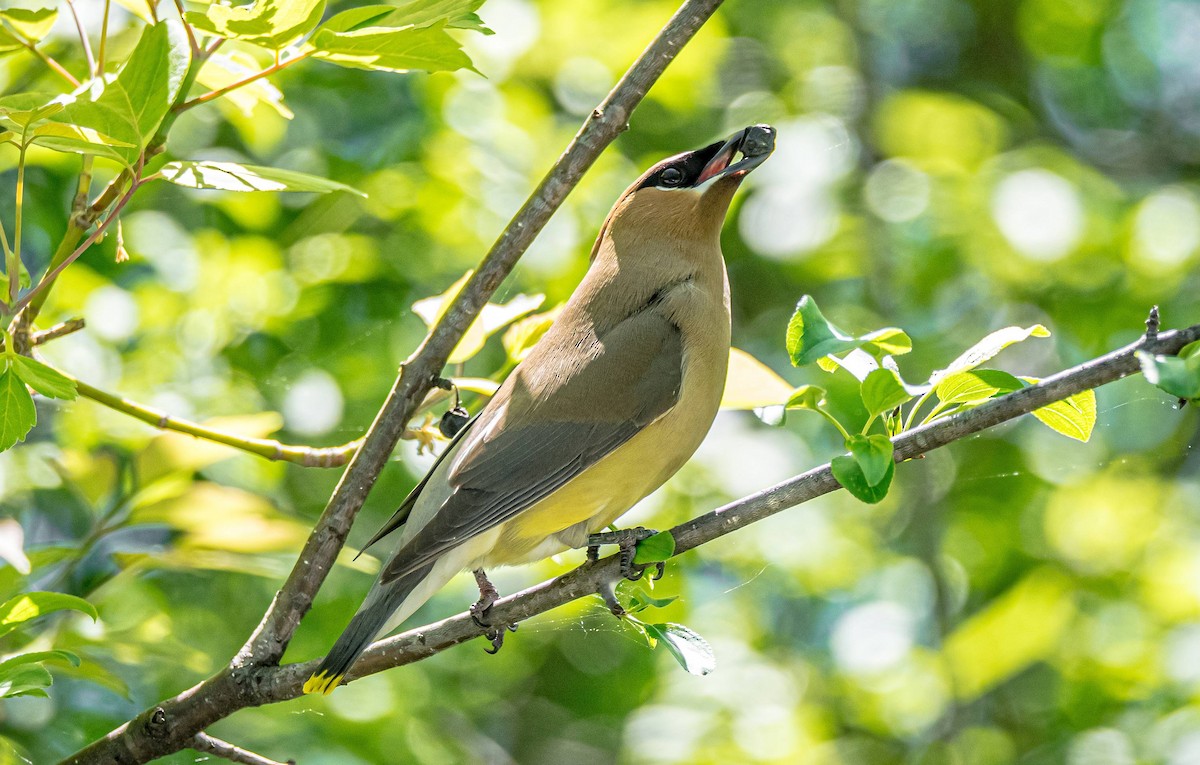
x=202, y=742
x=103, y=39
x=53, y=273
x=61, y=329
x=278, y=66
x=83, y=38
x=191, y=35
x=237, y=687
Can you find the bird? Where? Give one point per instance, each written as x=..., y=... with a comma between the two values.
x=609, y=403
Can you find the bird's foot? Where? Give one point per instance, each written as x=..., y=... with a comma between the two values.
x=626, y=541
x=488, y=595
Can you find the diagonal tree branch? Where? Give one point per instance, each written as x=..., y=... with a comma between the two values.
x=202, y=742
x=238, y=687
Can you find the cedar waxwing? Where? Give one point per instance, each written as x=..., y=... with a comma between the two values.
x=612, y=400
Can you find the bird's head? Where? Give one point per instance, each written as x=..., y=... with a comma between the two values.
x=688, y=194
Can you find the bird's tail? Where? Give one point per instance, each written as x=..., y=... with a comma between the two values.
x=380, y=605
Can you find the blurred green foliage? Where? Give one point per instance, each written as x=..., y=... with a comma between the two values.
x=948, y=167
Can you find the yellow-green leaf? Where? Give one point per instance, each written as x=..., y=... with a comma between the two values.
x=22, y=608
x=1074, y=417
x=270, y=24
x=751, y=384
x=988, y=347
x=45, y=380
x=233, y=176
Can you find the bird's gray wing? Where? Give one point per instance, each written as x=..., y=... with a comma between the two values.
x=401, y=515
x=539, y=443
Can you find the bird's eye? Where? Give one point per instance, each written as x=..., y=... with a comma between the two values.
x=672, y=176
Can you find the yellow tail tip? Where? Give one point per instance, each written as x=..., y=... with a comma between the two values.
x=322, y=683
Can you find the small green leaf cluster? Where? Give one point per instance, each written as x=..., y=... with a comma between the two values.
x=1177, y=375
x=25, y=674
x=18, y=415
x=687, y=647
x=866, y=470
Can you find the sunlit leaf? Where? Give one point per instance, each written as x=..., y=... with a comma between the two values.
x=17, y=412
x=653, y=549
x=1073, y=417
x=806, y=397
x=689, y=649
x=225, y=68
x=37, y=657
x=810, y=336
x=883, y=390
x=132, y=104
x=520, y=338
x=750, y=384
x=1178, y=376
x=348, y=39
x=458, y=14
x=272, y=24
x=491, y=319
x=640, y=600
x=975, y=385
x=849, y=474
x=988, y=347
x=31, y=605
x=232, y=176
x=30, y=20
x=45, y=380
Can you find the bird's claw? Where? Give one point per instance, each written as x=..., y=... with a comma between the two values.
x=488, y=595
x=496, y=636
x=626, y=541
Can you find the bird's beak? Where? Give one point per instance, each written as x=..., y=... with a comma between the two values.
x=754, y=143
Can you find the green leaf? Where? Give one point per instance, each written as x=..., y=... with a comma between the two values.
x=653, y=549
x=272, y=24
x=27, y=680
x=1074, y=416
x=751, y=384
x=386, y=49
x=519, y=339
x=807, y=397
x=988, y=347
x=231, y=176
x=976, y=385
x=78, y=139
x=1178, y=376
x=17, y=412
x=458, y=14
x=133, y=104
x=20, y=110
x=31, y=20
x=810, y=337
x=873, y=454
x=56, y=656
x=31, y=605
x=883, y=390
x=689, y=649
x=45, y=380
x=1190, y=350
x=229, y=67
x=640, y=600
x=849, y=474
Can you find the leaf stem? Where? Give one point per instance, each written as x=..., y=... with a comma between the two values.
x=14, y=255
x=912, y=413
x=83, y=38
x=191, y=35
x=214, y=94
x=825, y=413
x=103, y=40
x=269, y=448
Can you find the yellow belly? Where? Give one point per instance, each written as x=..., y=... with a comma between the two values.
x=608, y=489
